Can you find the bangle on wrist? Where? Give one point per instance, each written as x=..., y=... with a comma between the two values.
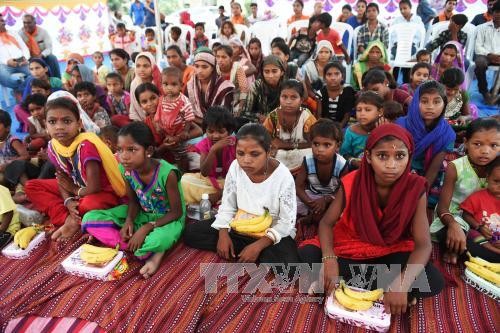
x=78, y=193
x=68, y=199
x=444, y=214
x=325, y=258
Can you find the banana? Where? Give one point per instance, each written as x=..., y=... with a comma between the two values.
x=95, y=255
x=362, y=295
x=351, y=303
x=24, y=236
x=483, y=272
x=481, y=262
x=254, y=225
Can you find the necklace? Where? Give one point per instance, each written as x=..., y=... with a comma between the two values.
x=265, y=170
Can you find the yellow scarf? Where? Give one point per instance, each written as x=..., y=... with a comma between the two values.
x=109, y=162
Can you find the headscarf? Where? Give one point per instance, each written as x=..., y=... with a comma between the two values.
x=427, y=142
x=396, y=218
x=458, y=62
x=185, y=18
x=136, y=112
x=321, y=44
x=86, y=73
x=88, y=124
x=257, y=62
x=269, y=97
x=219, y=90
x=237, y=41
x=75, y=57
x=362, y=65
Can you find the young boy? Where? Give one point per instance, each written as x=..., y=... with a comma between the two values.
x=372, y=29
x=38, y=136
x=175, y=117
x=150, y=42
x=175, y=39
x=424, y=56
x=447, y=13
x=118, y=99
x=85, y=92
x=100, y=70
x=323, y=22
x=123, y=38
x=109, y=135
x=392, y=111
x=200, y=39
x=454, y=32
x=9, y=217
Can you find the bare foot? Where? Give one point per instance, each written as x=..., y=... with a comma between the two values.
x=413, y=302
x=151, y=265
x=70, y=227
x=450, y=258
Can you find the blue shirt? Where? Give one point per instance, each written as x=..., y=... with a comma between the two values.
x=353, y=22
x=149, y=20
x=137, y=13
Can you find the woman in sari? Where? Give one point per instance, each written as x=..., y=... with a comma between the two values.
x=73, y=59
x=375, y=55
x=206, y=88
x=264, y=94
x=81, y=73
x=451, y=55
x=241, y=55
x=312, y=71
x=146, y=70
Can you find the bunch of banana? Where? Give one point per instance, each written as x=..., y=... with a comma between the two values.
x=23, y=237
x=254, y=226
x=481, y=262
x=356, y=300
x=94, y=255
x=484, y=272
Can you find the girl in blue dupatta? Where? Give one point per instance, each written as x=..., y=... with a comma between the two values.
x=432, y=134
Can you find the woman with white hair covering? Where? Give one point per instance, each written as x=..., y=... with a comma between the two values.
x=312, y=71
x=241, y=55
x=88, y=124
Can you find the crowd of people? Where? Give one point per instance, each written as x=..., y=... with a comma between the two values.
x=381, y=169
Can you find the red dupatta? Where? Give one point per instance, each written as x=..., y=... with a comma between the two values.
x=394, y=223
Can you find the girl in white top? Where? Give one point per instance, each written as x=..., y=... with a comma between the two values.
x=255, y=180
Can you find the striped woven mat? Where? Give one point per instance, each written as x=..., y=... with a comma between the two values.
x=174, y=300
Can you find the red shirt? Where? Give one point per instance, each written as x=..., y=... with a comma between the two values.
x=334, y=38
x=481, y=205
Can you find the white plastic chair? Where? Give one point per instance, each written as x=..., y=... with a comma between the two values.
x=435, y=30
x=295, y=26
x=470, y=45
x=355, y=42
x=240, y=29
x=264, y=31
x=403, y=35
x=184, y=31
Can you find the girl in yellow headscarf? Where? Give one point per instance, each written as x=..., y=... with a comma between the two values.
x=375, y=55
x=87, y=174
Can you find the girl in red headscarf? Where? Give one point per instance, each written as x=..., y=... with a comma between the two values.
x=379, y=219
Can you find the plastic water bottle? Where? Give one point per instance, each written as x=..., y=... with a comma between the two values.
x=205, y=208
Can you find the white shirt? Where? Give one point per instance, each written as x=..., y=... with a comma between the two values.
x=487, y=39
x=252, y=19
x=413, y=19
x=277, y=193
x=11, y=51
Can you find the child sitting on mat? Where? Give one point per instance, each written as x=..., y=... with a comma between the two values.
x=9, y=217
x=153, y=220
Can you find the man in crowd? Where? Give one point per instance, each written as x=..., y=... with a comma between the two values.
x=219, y=20
x=447, y=13
x=137, y=12
x=253, y=17
x=238, y=17
x=454, y=33
x=485, y=17
x=14, y=55
x=372, y=29
x=488, y=53
x=39, y=43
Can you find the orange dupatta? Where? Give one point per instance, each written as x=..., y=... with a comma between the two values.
x=7, y=38
x=32, y=43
